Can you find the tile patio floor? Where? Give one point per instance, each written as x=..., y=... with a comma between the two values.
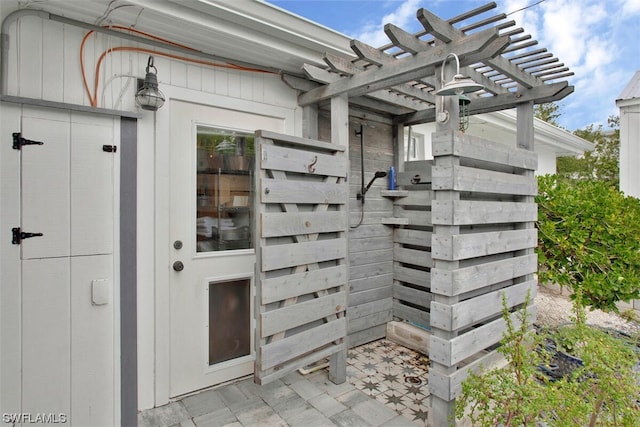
x=386, y=386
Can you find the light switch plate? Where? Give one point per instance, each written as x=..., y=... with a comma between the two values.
x=100, y=292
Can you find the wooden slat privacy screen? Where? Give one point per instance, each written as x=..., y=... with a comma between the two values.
x=301, y=262
x=481, y=247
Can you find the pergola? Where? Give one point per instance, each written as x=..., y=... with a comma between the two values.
x=482, y=193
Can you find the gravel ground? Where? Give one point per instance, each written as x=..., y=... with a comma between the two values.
x=554, y=310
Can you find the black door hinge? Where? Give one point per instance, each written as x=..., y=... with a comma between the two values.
x=19, y=141
x=18, y=236
x=109, y=148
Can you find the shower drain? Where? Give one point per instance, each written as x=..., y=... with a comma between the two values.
x=411, y=379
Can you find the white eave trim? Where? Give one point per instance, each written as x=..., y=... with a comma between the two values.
x=629, y=102
x=558, y=140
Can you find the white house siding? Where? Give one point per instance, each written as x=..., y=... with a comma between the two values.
x=630, y=148
x=43, y=64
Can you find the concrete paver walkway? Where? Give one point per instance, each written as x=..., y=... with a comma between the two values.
x=313, y=400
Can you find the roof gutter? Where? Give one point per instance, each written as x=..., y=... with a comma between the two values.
x=12, y=17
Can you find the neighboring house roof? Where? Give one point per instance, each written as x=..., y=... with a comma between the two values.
x=552, y=138
x=631, y=93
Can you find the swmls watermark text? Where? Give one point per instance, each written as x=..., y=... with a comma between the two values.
x=38, y=418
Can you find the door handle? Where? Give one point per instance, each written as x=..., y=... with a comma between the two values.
x=178, y=266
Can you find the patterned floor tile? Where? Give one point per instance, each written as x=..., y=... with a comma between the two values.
x=393, y=400
x=393, y=375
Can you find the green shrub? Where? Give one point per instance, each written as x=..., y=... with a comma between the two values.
x=589, y=239
x=603, y=392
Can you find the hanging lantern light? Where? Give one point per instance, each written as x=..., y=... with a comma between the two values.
x=149, y=96
x=463, y=104
x=459, y=86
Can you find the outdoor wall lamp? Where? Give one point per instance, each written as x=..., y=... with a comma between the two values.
x=149, y=96
x=459, y=85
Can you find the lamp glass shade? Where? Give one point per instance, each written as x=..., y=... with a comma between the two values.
x=149, y=97
x=459, y=85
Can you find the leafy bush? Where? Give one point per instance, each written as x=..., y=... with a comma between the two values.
x=589, y=239
x=602, y=392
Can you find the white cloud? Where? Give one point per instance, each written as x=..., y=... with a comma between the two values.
x=631, y=6
x=373, y=33
x=580, y=34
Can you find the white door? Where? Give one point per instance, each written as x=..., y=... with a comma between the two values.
x=67, y=333
x=211, y=236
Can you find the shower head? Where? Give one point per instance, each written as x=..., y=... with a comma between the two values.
x=379, y=174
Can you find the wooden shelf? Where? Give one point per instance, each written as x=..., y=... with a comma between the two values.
x=395, y=221
x=394, y=193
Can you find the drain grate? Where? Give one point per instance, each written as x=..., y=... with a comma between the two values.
x=412, y=379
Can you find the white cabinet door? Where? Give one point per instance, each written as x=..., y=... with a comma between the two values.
x=67, y=304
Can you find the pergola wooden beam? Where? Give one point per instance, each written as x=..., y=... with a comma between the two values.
x=343, y=66
x=405, y=40
x=410, y=68
x=444, y=31
x=382, y=96
x=505, y=101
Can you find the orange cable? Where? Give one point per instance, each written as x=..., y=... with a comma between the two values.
x=94, y=99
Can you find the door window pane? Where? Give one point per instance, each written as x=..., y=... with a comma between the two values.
x=224, y=189
x=229, y=320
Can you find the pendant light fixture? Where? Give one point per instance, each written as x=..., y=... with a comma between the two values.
x=459, y=85
x=149, y=96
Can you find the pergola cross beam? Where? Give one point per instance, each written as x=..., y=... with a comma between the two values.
x=446, y=32
x=409, y=69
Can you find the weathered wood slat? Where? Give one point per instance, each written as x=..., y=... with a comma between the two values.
x=414, y=177
x=455, y=350
x=306, y=142
x=463, y=246
x=291, y=160
x=368, y=309
x=460, y=212
x=394, y=221
x=371, y=270
x=410, y=314
x=415, y=198
x=469, y=312
x=299, y=314
x=409, y=275
x=370, y=295
x=372, y=320
x=414, y=296
x=366, y=335
x=412, y=237
x=360, y=285
x=449, y=386
x=462, y=280
x=294, y=254
x=462, y=178
x=413, y=257
x=473, y=147
x=293, y=285
x=372, y=257
x=279, y=191
x=292, y=223
x=420, y=218
x=278, y=352
x=268, y=375
x=372, y=244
